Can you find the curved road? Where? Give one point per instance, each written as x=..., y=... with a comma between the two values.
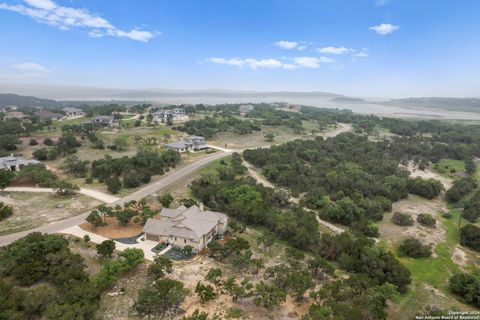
x=166, y=180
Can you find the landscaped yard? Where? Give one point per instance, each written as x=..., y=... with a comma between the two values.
x=32, y=210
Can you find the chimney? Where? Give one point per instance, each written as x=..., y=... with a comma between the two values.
x=201, y=206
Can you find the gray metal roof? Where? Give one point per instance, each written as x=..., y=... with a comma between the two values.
x=191, y=223
x=180, y=144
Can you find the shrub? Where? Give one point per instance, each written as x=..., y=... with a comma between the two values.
x=447, y=215
x=466, y=286
x=48, y=142
x=470, y=237
x=105, y=249
x=86, y=238
x=33, y=142
x=88, y=180
x=131, y=179
x=113, y=184
x=402, y=219
x=5, y=211
x=426, y=219
x=412, y=247
x=166, y=200
x=40, y=154
x=428, y=189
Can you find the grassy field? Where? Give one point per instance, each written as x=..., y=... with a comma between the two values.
x=449, y=168
x=431, y=276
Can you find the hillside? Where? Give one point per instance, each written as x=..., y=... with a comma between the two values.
x=25, y=101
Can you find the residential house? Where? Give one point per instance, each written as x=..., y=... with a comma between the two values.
x=12, y=163
x=14, y=115
x=104, y=121
x=48, y=115
x=166, y=115
x=192, y=143
x=72, y=113
x=186, y=226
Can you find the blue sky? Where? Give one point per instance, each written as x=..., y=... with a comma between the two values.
x=373, y=48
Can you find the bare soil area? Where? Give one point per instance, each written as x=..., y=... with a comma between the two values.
x=414, y=206
x=427, y=174
x=113, y=229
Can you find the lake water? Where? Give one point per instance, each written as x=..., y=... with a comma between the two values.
x=363, y=108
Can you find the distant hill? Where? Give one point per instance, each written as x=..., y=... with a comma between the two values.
x=452, y=104
x=347, y=99
x=25, y=101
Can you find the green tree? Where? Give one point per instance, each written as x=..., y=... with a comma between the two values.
x=5, y=211
x=205, y=292
x=160, y=267
x=65, y=188
x=412, y=247
x=269, y=137
x=166, y=200
x=161, y=297
x=268, y=296
x=106, y=248
x=6, y=177
x=114, y=185
x=94, y=219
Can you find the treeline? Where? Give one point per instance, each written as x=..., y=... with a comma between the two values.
x=40, y=277
x=130, y=172
x=254, y=204
x=349, y=179
x=210, y=126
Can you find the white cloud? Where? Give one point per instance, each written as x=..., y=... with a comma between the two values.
x=284, y=44
x=333, y=50
x=31, y=67
x=307, y=62
x=289, y=45
x=361, y=54
x=250, y=62
x=65, y=18
x=384, y=28
x=264, y=63
x=291, y=64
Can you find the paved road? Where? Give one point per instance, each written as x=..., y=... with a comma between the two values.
x=164, y=182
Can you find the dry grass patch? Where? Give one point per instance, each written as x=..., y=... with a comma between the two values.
x=31, y=210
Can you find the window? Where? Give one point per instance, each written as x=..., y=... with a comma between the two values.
x=175, y=238
x=185, y=240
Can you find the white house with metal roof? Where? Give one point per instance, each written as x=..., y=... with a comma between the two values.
x=12, y=163
x=186, y=226
x=72, y=113
x=192, y=143
x=174, y=115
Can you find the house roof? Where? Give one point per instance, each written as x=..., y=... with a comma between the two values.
x=72, y=109
x=13, y=161
x=191, y=223
x=180, y=144
x=45, y=114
